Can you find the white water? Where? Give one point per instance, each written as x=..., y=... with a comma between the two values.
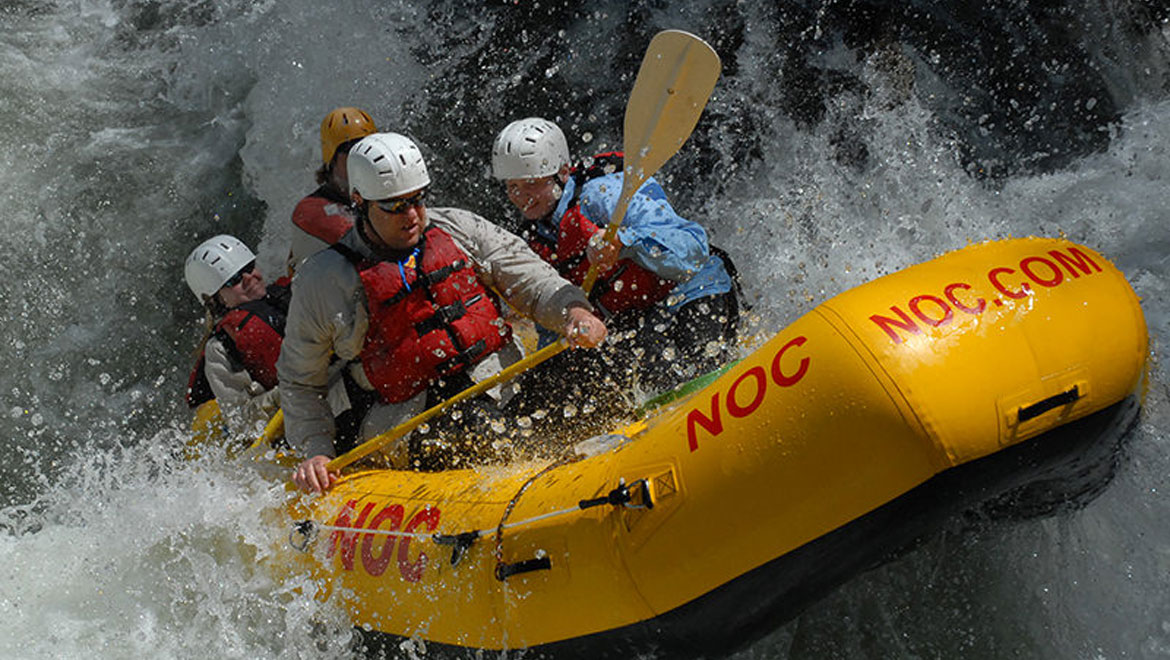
x=130, y=130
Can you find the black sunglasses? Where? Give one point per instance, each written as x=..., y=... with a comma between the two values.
x=401, y=204
x=235, y=279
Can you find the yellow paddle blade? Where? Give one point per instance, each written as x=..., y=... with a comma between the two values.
x=677, y=76
x=675, y=81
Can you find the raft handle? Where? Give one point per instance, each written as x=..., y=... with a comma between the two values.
x=307, y=530
x=1055, y=401
x=459, y=542
x=621, y=496
x=505, y=571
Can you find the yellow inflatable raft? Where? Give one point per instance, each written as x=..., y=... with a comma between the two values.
x=725, y=511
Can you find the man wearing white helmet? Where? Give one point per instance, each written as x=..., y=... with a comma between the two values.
x=410, y=292
x=660, y=278
x=321, y=217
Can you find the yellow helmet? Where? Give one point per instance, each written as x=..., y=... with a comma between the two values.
x=343, y=125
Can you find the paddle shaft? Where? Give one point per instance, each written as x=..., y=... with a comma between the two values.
x=377, y=442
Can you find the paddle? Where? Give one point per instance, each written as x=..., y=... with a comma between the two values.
x=675, y=80
x=680, y=71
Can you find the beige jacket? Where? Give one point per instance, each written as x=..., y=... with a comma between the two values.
x=328, y=315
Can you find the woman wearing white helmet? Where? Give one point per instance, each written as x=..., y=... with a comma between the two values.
x=660, y=278
x=409, y=294
x=245, y=321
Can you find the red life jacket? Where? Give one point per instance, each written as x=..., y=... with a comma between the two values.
x=430, y=317
x=252, y=333
x=627, y=285
x=323, y=216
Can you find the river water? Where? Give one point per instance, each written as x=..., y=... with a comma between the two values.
x=845, y=140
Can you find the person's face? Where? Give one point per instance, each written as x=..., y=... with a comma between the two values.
x=246, y=286
x=400, y=221
x=535, y=198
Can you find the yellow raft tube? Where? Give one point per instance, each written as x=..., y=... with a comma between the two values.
x=728, y=508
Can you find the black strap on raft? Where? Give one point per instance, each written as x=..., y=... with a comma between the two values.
x=621, y=496
x=459, y=542
x=307, y=531
x=1040, y=407
x=505, y=571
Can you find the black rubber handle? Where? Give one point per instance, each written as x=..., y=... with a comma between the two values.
x=1054, y=401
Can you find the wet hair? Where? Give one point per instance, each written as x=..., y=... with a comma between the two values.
x=214, y=310
x=324, y=171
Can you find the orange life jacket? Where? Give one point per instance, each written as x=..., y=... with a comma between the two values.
x=322, y=215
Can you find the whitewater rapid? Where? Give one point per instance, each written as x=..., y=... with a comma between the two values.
x=132, y=129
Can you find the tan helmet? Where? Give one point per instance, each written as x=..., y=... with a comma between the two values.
x=343, y=125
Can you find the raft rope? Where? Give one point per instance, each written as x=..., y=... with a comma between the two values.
x=308, y=530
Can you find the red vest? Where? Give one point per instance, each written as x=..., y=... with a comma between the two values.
x=252, y=334
x=627, y=285
x=323, y=217
x=429, y=317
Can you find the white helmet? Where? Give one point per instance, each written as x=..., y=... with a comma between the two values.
x=385, y=165
x=529, y=148
x=214, y=262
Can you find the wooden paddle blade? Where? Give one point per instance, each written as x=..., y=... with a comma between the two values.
x=677, y=77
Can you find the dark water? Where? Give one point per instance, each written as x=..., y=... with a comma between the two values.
x=845, y=140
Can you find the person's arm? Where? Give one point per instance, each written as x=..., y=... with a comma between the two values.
x=243, y=402
x=326, y=315
x=652, y=234
x=529, y=284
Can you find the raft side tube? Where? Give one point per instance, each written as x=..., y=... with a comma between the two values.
x=857, y=403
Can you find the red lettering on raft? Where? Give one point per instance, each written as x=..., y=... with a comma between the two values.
x=712, y=422
x=346, y=538
x=885, y=323
x=376, y=564
x=412, y=571
x=1056, y=277
x=1082, y=263
x=949, y=292
x=733, y=406
x=994, y=277
x=937, y=312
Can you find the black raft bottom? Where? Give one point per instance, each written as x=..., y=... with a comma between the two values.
x=1066, y=467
